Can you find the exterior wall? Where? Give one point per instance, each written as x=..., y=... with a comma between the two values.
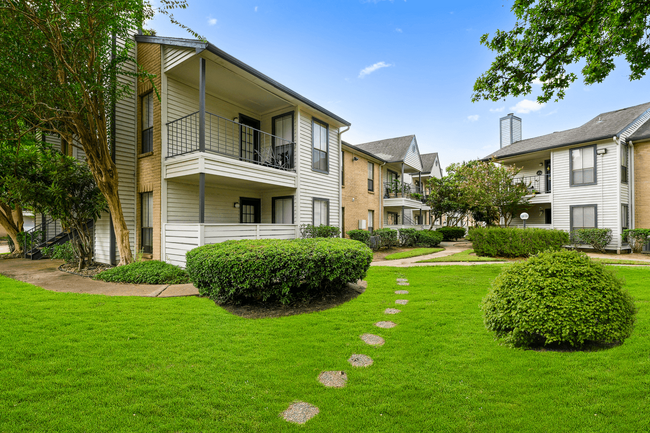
x=641, y=185
x=412, y=157
x=149, y=164
x=356, y=199
x=175, y=56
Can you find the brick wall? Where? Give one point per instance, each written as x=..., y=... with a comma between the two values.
x=642, y=185
x=356, y=199
x=149, y=164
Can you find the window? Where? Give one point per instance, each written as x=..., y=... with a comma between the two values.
x=371, y=220
x=583, y=167
x=625, y=217
x=250, y=210
x=283, y=147
x=321, y=211
x=393, y=218
x=283, y=210
x=146, y=222
x=371, y=176
x=147, y=123
x=320, y=146
x=583, y=217
x=624, y=162
x=342, y=168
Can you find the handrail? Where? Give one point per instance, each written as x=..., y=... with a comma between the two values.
x=537, y=183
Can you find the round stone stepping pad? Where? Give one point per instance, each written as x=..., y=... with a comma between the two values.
x=403, y=283
x=373, y=340
x=385, y=324
x=300, y=412
x=392, y=311
x=360, y=360
x=401, y=292
x=402, y=301
x=333, y=379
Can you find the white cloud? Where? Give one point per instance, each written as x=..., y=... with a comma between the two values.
x=473, y=117
x=255, y=8
x=497, y=110
x=527, y=106
x=370, y=69
x=212, y=21
x=398, y=30
x=537, y=81
x=551, y=113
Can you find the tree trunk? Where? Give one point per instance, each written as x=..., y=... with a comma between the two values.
x=8, y=223
x=18, y=219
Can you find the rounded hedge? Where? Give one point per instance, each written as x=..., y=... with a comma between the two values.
x=276, y=269
x=558, y=297
x=451, y=233
x=145, y=272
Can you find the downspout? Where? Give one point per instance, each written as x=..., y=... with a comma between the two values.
x=339, y=176
x=619, y=182
x=381, y=195
x=630, y=184
x=112, y=240
x=402, y=179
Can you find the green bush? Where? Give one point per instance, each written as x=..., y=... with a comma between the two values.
x=276, y=269
x=147, y=272
x=408, y=237
x=308, y=231
x=451, y=233
x=637, y=238
x=33, y=239
x=514, y=242
x=61, y=252
x=387, y=237
x=558, y=297
x=360, y=235
x=598, y=239
x=429, y=238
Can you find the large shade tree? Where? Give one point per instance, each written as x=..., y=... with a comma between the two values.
x=551, y=35
x=61, y=60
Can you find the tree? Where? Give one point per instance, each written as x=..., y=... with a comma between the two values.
x=65, y=59
x=551, y=35
x=446, y=198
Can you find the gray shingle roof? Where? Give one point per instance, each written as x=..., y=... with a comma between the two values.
x=642, y=133
x=390, y=149
x=427, y=161
x=362, y=151
x=605, y=125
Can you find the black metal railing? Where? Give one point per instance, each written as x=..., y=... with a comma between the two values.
x=397, y=220
x=540, y=184
x=231, y=139
x=39, y=235
x=397, y=189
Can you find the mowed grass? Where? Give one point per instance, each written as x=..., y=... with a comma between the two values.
x=463, y=256
x=88, y=363
x=620, y=262
x=413, y=253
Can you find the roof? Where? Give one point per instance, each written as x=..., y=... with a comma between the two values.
x=389, y=150
x=201, y=45
x=353, y=147
x=427, y=161
x=642, y=133
x=603, y=126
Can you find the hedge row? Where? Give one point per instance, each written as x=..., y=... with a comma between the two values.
x=405, y=237
x=146, y=272
x=451, y=233
x=514, y=242
x=276, y=269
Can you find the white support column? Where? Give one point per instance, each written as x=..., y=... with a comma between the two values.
x=201, y=235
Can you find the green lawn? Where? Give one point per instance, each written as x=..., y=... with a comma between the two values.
x=89, y=363
x=413, y=253
x=621, y=262
x=463, y=256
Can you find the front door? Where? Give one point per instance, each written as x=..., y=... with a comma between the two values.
x=249, y=139
x=250, y=210
x=547, y=172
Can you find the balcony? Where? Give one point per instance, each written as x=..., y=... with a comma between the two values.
x=398, y=194
x=539, y=187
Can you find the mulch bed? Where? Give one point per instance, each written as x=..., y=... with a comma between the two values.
x=89, y=271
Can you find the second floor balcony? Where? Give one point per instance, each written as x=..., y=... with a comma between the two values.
x=539, y=184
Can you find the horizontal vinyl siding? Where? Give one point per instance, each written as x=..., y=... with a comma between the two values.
x=175, y=56
x=412, y=157
x=179, y=239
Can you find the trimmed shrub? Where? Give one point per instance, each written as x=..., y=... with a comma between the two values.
x=360, y=235
x=451, y=233
x=408, y=237
x=33, y=239
x=558, y=297
x=598, y=239
x=147, y=272
x=387, y=237
x=61, y=252
x=276, y=269
x=514, y=242
x=308, y=231
x=637, y=238
x=429, y=238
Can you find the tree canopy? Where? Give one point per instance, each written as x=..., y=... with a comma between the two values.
x=551, y=35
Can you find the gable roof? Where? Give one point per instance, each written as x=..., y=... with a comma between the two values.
x=642, y=133
x=353, y=147
x=390, y=149
x=201, y=45
x=427, y=161
x=603, y=126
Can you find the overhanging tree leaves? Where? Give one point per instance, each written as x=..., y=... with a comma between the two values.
x=551, y=35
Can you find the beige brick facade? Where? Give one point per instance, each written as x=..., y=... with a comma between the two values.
x=149, y=164
x=642, y=185
x=356, y=199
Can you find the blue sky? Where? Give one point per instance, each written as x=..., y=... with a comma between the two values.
x=395, y=68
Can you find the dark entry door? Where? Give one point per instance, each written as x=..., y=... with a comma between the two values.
x=250, y=210
x=547, y=172
x=249, y=139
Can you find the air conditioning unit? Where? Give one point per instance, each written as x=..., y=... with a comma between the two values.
x=362, y=224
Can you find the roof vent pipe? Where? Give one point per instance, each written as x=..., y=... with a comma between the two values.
x=510, y=129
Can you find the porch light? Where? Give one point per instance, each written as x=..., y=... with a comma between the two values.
x=355, y=159
x=236, y=205
x=236, y=120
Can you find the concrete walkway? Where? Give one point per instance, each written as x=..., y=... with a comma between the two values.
x=450, y=249
x=45, y=274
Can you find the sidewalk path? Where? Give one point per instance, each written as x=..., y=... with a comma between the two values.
x=45, y=274
x=450, y=249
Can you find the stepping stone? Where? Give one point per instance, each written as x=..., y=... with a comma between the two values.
x=392, y=311
x=333, y=379
x=386, y=324
x=402, y=283
x=402, y=301
x=300, y=412
x=373, y=340
x=402, y=280
x=401, y=292
x=360, y=360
